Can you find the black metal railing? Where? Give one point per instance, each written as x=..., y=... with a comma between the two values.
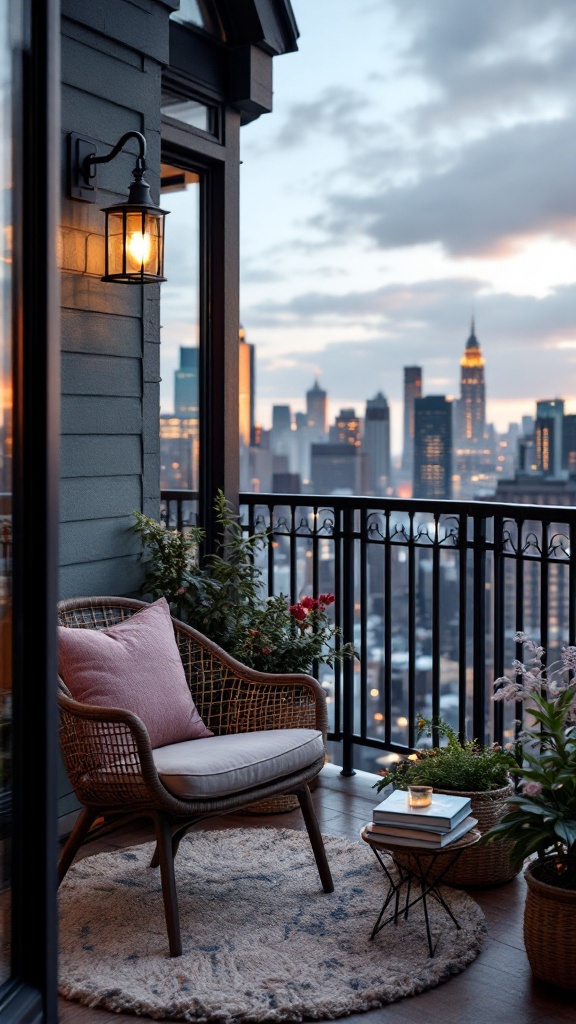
x=431, y=594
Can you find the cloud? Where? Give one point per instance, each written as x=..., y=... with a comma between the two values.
x=527, y=342
x=450, y=137
x=335, y=111
x=493, y=55
x=505, y=187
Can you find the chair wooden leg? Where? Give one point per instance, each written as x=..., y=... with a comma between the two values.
x=177, y=837
x=166, y=859
x=77, y=836
x=315, y=836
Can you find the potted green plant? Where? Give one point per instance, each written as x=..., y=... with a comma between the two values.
x=464, y=769
x=223, y=594
x=541, y=819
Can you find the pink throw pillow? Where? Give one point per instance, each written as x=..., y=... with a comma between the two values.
x=134, y=665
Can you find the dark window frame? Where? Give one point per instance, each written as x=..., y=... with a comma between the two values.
x=218, y=165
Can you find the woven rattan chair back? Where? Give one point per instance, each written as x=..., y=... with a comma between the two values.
x=109, y=761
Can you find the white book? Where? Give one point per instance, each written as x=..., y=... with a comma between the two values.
x=428, y=840
x=440, y=816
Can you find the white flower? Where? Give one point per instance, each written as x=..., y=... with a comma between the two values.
x=569, y=657
x=531, y=788
x=508, y=692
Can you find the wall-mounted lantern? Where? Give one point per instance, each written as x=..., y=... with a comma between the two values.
x=134, y=245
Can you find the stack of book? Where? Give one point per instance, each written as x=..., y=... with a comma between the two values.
x=396, y=824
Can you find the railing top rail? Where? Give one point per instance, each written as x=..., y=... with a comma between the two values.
x=475, y=509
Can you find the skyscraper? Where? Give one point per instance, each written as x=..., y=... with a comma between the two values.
x=246, y=380
x=432, y=447
x=474, y=455
x=186, y=394
x=376, y=444
x=346, y=429
x=317, y=412
x=548, y=436
x=472, y=405
x=569, y=444
x=412, y=390
x=335, y=469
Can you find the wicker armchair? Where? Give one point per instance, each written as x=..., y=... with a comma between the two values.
x=110, y=761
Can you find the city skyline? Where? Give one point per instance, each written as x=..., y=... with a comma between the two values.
x=419, y=169
x=334, y=406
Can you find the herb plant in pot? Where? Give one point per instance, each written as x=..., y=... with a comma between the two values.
x=469, y=769
x=541, y=819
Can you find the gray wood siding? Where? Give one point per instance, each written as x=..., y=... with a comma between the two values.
x=110, y=333
x=112, y=56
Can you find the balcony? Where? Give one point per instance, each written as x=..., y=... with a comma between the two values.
x=497, y=986
x=430, y=592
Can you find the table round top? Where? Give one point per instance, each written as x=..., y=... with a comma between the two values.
x=381, y=843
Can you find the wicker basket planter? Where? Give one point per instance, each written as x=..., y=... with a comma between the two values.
x=483, y=865
x=550, y=931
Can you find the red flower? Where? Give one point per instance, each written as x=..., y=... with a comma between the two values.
x=265, y=650
x=310, y=603
x=326, y=599
x=298, y=612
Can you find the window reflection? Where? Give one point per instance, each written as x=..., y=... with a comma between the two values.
x=188, y=111
x=199, y=14
x=180, y=319
x=5, y=492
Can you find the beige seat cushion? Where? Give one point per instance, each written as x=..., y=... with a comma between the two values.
x=212, y=768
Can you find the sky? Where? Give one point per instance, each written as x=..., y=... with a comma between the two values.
x=418, y=169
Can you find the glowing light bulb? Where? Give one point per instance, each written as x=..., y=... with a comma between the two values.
x=139, y=247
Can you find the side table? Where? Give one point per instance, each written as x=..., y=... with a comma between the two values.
x=417, y=866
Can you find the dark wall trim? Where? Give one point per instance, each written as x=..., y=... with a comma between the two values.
x=219, y=466
x=219, y=166
x=36, y=437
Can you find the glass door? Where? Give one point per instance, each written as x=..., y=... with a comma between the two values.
x=180, y=337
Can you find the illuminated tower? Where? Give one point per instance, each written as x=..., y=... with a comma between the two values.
x=472, y=406
x=246, y=388
x=548, y=436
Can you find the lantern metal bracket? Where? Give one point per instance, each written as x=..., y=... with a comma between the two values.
x=134, y=231
x=82, y=163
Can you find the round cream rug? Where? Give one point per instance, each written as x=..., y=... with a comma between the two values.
x=261, y=941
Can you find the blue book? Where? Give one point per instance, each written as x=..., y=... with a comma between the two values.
x=419, y=837
x=440, y=816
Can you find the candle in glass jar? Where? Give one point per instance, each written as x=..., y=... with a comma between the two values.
x=419, y=796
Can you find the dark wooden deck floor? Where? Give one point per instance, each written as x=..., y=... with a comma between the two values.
x=497, y=987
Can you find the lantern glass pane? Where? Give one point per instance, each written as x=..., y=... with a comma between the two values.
x=115, y=232
x=144, y=243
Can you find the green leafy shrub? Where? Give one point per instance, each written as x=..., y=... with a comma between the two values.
x=223, y=595
x=467, y=767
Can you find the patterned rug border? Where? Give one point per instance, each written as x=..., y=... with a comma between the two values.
x=288, y=951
